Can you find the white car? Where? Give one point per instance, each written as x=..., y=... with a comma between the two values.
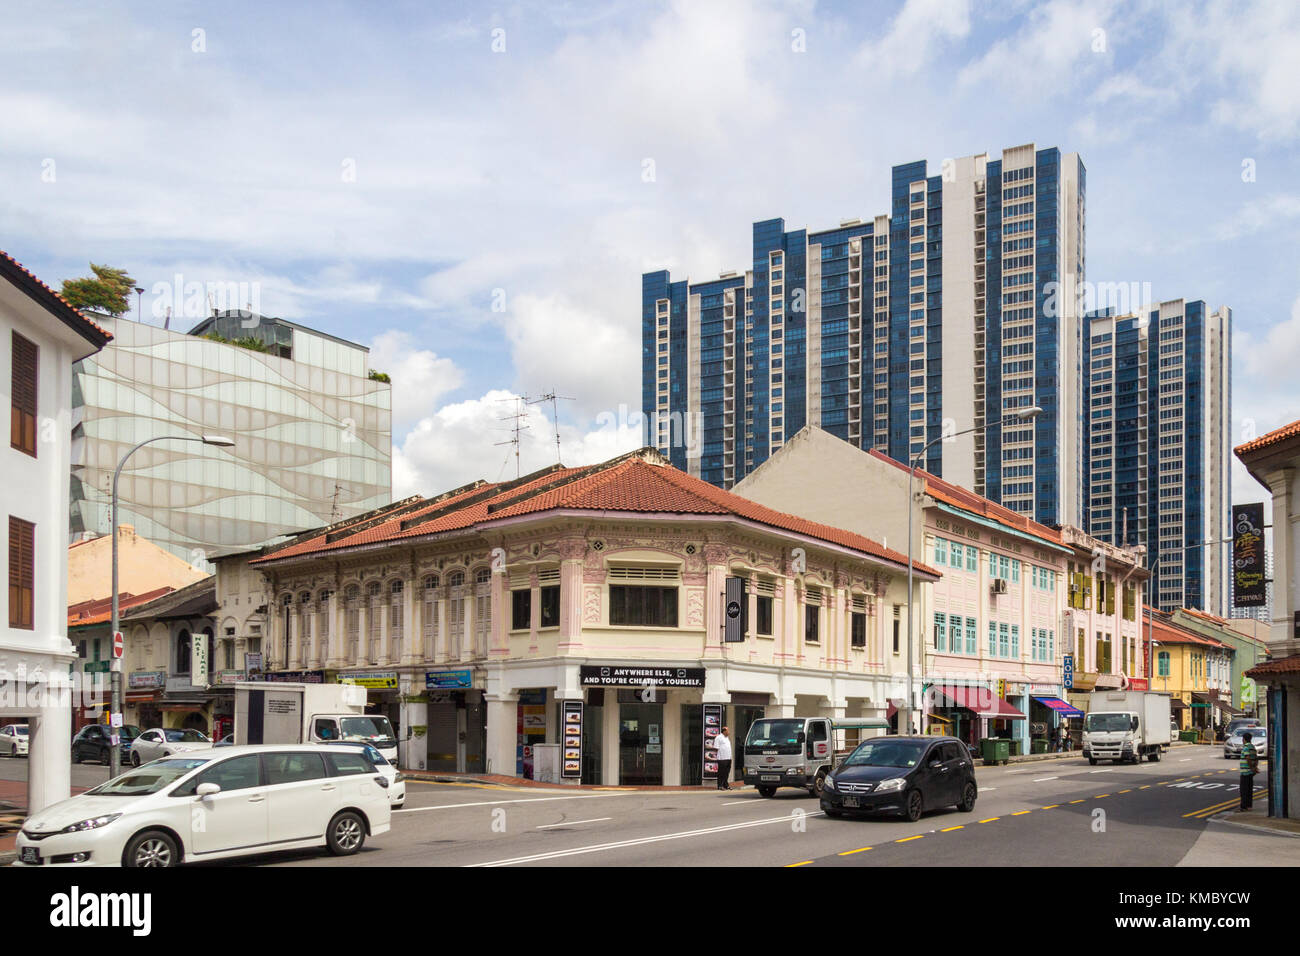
x=13, y=740
x=396, y=779
x=213, y=804
x=161, y=742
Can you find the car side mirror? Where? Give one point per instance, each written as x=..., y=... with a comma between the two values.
x=1135, y=724
x=208, y=789
x=801, y=738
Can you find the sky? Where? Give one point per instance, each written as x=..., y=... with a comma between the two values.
x=473, y=191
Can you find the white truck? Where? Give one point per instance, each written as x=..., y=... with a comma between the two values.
x=801, y=751
x=1126, y=725
x=269, y=712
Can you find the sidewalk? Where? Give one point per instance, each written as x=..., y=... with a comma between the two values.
x=1258, y=819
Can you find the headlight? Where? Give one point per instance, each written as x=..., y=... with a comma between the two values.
x=896, y=783
x=830, y=783
x=91, y=824
x=399, y=778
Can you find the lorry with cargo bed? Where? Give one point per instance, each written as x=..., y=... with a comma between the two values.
x=1126, y=725
x=801, y=751
x=269, y=712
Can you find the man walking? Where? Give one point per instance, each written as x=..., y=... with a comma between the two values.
x=1249, y=767
x=723, y=744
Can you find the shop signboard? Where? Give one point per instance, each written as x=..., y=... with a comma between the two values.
x=601, y=676
x=712, y=727
x=146, y=680
x=297, y=677
x=571, y=749
x=374, y=680
x=230, y=677
x=448, y=679
x=253, y=665
x=199, y=656
x=734, y=617
x=1248, y=555
x=1067, y=671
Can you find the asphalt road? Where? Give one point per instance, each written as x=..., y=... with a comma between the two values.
x=1050, y=813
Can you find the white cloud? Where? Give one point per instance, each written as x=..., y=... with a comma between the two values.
x=1266, y=213
x=1056, y=47
x=420, y=377
x=1266, y=392
x=915, y=37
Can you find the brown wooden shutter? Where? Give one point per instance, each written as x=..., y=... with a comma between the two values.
x=22, y=572
x=22, y=423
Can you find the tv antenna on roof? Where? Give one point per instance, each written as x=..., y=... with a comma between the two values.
x=520, y=424
x=555, y=415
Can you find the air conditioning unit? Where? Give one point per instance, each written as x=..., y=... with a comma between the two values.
x=999, y=586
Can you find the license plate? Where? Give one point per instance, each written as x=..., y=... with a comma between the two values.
x=851, y=801
x=770, y=777
x=31, y=854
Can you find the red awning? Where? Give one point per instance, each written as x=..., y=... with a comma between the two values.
x=981, y=700
x=895, y=704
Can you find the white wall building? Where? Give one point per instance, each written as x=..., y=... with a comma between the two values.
x=41, y=335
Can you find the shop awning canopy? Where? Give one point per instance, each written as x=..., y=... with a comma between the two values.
x=981, y=700
x=1177, y=703
x=1060, y=706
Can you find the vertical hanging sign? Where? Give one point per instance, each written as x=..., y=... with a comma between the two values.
x=712, y=727
x=1248, y=556
x=734, y=611
x=571, y=746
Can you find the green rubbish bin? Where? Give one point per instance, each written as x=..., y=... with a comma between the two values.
x=1015, y=747
x=1040, y=746
x=995, y=750
x=1188, y=736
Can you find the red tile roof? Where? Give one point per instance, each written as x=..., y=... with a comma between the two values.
x=101, y=609
x=1165, y=632
x=1274, y=437
x=13, y=270
x=1283, y=665
x=959, y=497
x=630, y=484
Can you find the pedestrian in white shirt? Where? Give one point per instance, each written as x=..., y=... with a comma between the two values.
x=723, y=745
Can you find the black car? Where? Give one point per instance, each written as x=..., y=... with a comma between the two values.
x=93, y=743
x=908, y=775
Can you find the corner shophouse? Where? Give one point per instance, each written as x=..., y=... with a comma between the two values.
x=510, y=611
x=1011, y=592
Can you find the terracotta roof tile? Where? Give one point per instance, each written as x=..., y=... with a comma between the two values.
x=1283, y=665
x=1272, y=438
x=100, y=610
x=629, y=483
x=14, y=270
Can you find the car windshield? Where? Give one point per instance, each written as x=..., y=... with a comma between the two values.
x=774, y=733
x=148, y=779
x=370, y=728
x=1108, y=723
x=186, y=736
x=21, y=730
x=1237, y=726
x=886, y=753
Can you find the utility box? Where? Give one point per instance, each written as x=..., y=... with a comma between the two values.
x=546, y=763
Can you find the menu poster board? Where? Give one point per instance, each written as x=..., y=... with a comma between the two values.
x=571, y=743
x=712, y=727
x=1248, y=556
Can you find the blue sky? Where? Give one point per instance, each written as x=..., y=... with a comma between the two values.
x=390, y=173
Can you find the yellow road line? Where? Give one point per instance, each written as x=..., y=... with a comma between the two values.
x=1076, y=801
x=1145, y=786
x=905, y=839
x=1100, y=795
x=1021, y=813
x=1210, y=811
x=990, y=819
x=861, y=849
x=1052, y=807
x=950, y=829
x=804, y=863
x=1130, y=790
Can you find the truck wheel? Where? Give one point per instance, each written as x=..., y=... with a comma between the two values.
x=767, y=791
x=346, y=834
x=818, y=786
x=1092, y=761
x=1154, y=756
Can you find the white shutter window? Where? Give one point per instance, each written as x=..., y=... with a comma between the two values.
x=548, y=576
x=650, y=573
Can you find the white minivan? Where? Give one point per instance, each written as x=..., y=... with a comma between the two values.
x=212, y=804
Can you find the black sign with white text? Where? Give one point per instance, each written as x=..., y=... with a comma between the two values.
x=1248, y=555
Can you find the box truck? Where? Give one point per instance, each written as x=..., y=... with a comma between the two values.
x=282, y=713
x=1126, y=725
x=801, y=751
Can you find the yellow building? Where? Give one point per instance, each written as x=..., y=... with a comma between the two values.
x=1196, y=671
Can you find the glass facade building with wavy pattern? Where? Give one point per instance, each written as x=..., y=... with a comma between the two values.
x=956, y=308
x=312, y=431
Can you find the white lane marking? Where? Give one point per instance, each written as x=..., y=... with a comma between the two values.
x=493, y=803
x=1184, y=759
x=982, y=789
x=572, y=823
x=736, y=802
x=596, y=848
x=1107, y=770
x=1041, y=779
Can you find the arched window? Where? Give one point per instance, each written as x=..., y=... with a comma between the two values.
x=430, y=581
x=456, y=579
x=482, y=576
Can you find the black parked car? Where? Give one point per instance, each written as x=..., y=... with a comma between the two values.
x=908, y=775
x=92, y=742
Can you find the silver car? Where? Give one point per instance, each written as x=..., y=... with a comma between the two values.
x=1258, y=737
x=13, y=740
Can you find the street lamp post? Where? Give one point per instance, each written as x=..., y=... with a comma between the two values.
x=1023, y=415
x=115, y=666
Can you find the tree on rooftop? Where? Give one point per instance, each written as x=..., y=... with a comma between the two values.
x=109, y=290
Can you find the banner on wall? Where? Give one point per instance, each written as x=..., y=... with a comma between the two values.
x=1248, y=555
x=712, y=727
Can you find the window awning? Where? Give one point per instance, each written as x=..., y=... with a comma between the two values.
x=1177, y=703
x=1060, y=706
x=981, y=700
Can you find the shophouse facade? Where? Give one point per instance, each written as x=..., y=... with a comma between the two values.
x=576, y=615
x=1196, y=672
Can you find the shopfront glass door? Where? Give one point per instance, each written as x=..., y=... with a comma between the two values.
x=640, y=744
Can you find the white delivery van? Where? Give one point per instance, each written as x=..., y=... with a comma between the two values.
x=268, y=712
